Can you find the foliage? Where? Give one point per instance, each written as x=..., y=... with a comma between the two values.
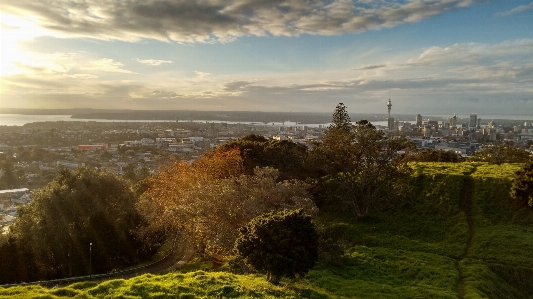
x=8, y=178
x=341, y=118
x=431, y=155
x=363, y=165
x=51, y=236
x=412, y=251
x=282, y=243
x=210, y=199
x=501, y=154
x=522, y=188
x=256, y=151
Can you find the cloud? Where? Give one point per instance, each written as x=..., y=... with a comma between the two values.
x=471, y=53
x=153, y=62
x=517, y=9
x=82, y=76
x=370, y=67
x=221, y=21
x=105, y=65
x=235, y=85
x=160, y=94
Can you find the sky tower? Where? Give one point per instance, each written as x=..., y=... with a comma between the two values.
x=390, y=120
x=389, y=105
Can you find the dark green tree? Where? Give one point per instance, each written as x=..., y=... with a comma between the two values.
x=341, y=118
x=522, y=188
x=432, y=155
x=360, y=167
x=501, y=154
x=75, y=209
x=8, y=177
x=256, y=151
x=281, y=243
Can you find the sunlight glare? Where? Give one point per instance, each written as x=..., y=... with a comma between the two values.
x=14, y=30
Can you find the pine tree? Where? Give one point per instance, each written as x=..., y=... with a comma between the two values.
x=341, y=119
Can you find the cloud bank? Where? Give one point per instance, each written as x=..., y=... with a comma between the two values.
x=221, y=20
x=476, y=77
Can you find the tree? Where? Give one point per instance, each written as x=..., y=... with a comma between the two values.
x=282, y=243
x=256, y=151
x=431, y=155
x=210, y=199
x=501, y=154
x=361, y=167
x=341, y=119
x=522, y=188
x=75, y=209
x=8, y=178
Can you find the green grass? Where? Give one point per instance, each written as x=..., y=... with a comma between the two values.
x=416, y=250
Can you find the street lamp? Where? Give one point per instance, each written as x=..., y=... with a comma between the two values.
x=90, y=261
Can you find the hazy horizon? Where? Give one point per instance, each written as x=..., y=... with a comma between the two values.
x=433, y=57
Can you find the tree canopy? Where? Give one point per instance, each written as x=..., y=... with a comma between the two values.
x=281, y=243
x=359, y=167
x=501, y=154
x=522, y=188
x=432, y=155
x=256, y=151
x=210, y=199
x=53, y=232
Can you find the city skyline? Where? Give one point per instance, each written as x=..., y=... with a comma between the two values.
x=440, y=57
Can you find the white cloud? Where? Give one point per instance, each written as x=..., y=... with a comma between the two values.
x=516, y=10
x=82, y=76
x=104, y=65
x=153, y=62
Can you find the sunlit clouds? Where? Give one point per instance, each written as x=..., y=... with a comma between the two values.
x=294, y=55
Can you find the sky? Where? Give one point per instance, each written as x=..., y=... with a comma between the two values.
x=434, y=57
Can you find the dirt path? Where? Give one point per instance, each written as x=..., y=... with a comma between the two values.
x=178, y=258
x=466, y=203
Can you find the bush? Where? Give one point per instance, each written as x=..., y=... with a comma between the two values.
x=522, y=188
x=282, y=243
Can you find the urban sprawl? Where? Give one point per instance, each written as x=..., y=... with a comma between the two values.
x=38, y=150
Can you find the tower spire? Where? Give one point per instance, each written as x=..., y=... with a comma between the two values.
x=389, y=105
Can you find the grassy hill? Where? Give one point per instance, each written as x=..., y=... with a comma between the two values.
x=457, y=236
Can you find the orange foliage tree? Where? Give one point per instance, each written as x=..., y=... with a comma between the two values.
x=208, y=200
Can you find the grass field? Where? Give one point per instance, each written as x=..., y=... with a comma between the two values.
x=458, y=235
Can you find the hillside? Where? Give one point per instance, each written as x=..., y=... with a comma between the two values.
x=457, y=236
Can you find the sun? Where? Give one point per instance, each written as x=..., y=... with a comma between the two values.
x=14, y=30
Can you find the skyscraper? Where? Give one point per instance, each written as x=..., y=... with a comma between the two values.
x=473, y=121
x=418, y=120
x=453, y=121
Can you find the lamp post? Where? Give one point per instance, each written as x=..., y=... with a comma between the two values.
x=90, y=261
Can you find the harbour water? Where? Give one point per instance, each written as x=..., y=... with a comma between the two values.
x=22, y=119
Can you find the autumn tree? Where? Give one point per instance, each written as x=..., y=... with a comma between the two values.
x=208, y=200
x=281, y=243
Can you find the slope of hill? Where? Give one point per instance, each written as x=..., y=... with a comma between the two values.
x=459, y=235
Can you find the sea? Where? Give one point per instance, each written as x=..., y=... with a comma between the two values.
x=22, y=119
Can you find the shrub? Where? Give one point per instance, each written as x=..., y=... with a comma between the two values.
x=522, y=188
x=282, y=243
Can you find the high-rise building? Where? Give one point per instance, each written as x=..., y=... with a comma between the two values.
x=390, y=123
x=473, y=121
x=453, y=121
x=418, y=120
